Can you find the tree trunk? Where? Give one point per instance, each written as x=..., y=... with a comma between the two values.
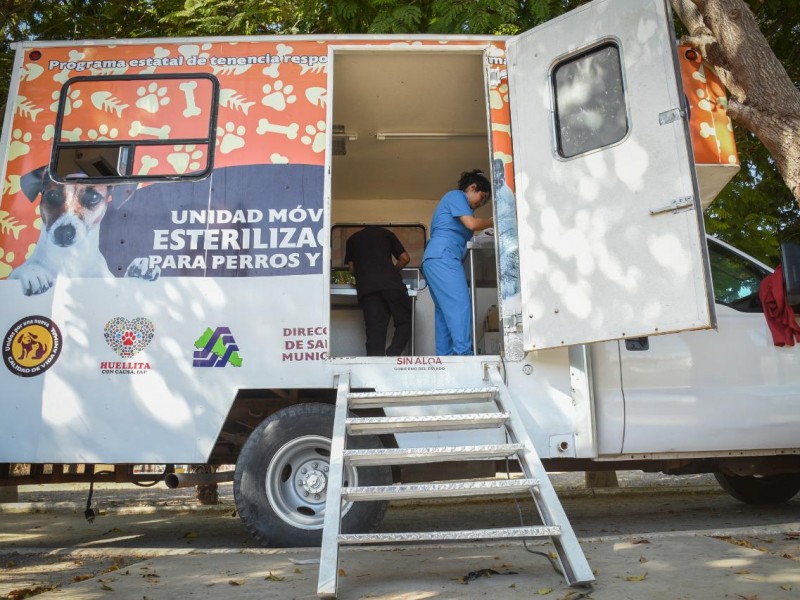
x=763, y=98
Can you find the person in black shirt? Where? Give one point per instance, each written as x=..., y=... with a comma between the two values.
x=380, y=287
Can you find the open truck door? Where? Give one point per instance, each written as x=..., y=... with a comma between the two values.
x=611, y=237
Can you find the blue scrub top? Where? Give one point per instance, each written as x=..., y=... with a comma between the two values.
x=448, y=233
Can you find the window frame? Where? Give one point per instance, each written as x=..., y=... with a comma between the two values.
x=555, y=121
x=131, y=145
x=718, y=247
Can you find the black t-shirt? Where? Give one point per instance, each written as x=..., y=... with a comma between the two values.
x=371, y=251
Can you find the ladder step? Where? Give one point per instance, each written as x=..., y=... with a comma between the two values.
x=439, y=490
x=375, y=425
x=444, y=536
x=403, y=456
x=420, y=398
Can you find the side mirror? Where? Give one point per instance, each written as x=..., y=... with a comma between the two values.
x=790, y=261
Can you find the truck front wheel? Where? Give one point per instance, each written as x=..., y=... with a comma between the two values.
x=760, y=489
x=281, y=479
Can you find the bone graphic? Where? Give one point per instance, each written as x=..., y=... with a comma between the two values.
x=66, y=134
x=290, y=131
x=160, y=132
x=148, y=162
x=191, y=110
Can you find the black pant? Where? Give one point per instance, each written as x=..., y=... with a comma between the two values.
x=377, y=308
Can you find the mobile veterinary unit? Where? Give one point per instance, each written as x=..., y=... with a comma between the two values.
x=172, y=230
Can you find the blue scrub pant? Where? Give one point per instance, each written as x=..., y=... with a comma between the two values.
x=448, y=285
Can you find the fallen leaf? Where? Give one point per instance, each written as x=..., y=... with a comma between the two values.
x=544, y=591
x=642, y=559
x=236, y=581
x=190, y=534
x=636, y=577
x=82, y=577
x=554, y=555
x=111, y=568
x=106, y=588
x=298, y=570
x=639, y=541
x=22, y=593
x=513, y=585
x=742, y=572
x=786, y=587
x=272, y=577
x=342, y=573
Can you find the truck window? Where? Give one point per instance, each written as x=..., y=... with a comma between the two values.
x=736, y=279
x=589, y=100
x=135, y=128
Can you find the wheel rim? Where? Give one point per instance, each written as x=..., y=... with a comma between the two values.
x=297, y=481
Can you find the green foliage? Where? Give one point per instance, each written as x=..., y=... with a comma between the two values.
x=756, y=211
x=753, y=212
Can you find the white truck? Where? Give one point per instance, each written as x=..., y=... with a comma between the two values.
x=172, y=225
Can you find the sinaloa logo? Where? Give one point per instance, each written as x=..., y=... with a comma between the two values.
x=216, y=348
x=31, y=346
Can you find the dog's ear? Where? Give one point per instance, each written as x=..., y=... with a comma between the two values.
x=32, y=183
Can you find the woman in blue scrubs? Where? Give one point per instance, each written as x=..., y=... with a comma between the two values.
x=452, y=226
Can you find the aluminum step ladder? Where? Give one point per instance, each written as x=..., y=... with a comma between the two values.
x=555, y=525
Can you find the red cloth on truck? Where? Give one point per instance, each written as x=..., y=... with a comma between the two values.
x=779, y=315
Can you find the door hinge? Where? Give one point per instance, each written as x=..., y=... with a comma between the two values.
x=512, y=323
x=495, y=76
x=677, y=205
x=670, y=116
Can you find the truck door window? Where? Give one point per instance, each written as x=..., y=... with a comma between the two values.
x=135, y=128
x=590, y=108
x=736, y=279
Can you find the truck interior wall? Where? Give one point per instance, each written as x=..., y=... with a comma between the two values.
x=400, y=181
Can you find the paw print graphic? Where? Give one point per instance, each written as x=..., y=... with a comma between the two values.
x=498, y=96
x=185, y=158
x=278, y=95
x=152, y=97
x=230, y=137
x=128, y=338
x=6, y=258
x=73, y=101
x=103, y=133
x=19, y=144
x=315, y=137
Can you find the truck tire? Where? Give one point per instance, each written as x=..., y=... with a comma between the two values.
x=760, y=489
x=280, y=482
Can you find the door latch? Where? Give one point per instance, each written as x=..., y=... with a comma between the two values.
x=677, y=205
x=670, y=116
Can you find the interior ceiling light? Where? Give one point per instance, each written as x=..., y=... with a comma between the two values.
x=444, y=135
